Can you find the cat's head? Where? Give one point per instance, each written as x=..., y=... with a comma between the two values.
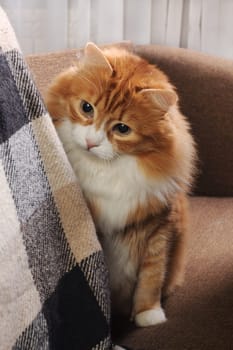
x=117, y=104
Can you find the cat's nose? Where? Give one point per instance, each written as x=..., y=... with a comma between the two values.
x=91, y=144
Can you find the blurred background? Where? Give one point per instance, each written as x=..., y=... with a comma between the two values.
x=53, y=25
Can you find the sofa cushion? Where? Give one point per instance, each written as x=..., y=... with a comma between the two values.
x=199, y=313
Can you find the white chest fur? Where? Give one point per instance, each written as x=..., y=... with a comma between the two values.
x=115, y=186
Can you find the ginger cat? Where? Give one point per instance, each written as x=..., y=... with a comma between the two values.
x=131, y=149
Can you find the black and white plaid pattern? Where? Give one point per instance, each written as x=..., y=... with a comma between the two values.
x=53, y=280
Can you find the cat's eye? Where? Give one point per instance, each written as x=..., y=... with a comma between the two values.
x=87, y=109
x=122, y=129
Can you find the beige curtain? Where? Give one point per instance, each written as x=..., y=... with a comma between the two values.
x=48, y=25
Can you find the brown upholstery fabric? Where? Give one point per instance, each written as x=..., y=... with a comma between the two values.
x=45, y=67
x=200, y=314
x=205, y=87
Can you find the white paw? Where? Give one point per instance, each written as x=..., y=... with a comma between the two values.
x=117, y=347
x=150, y=317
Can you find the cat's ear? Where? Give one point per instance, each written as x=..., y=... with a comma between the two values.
x=163, y=98
x=93, y=56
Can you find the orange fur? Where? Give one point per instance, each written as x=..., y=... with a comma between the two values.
x=123, y=88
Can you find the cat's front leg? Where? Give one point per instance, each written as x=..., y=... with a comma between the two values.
x=147, y=310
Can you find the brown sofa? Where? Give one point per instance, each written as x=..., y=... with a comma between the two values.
x=200, y=314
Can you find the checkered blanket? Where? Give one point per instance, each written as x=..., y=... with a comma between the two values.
x=53, y=281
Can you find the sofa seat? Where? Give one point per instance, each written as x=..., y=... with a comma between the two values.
x=200, y=313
